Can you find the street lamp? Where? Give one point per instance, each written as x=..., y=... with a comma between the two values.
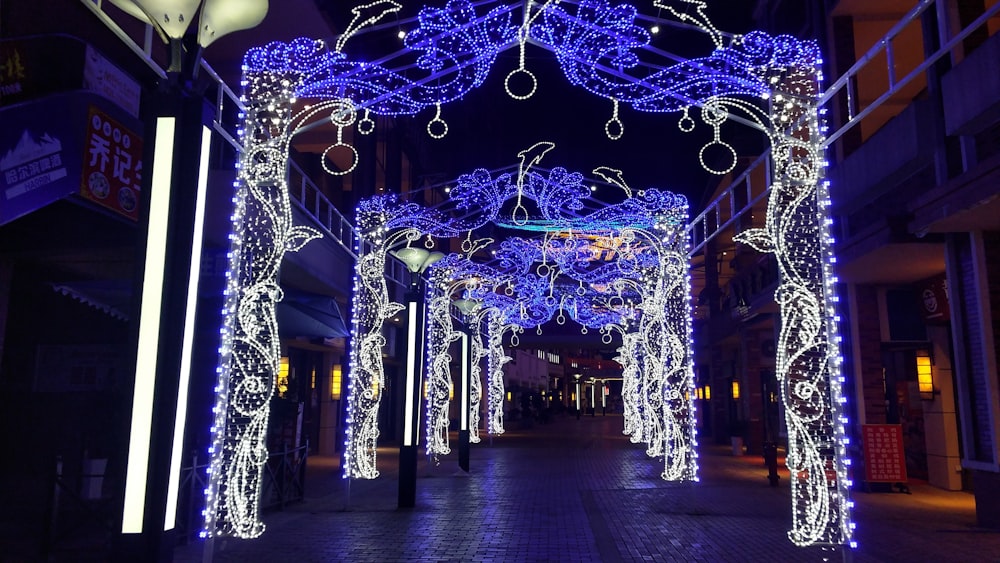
x=172, y=228
x=576, y=378
x=467, y=307
x=593, y=397
x=171, y=18
x=417, y=261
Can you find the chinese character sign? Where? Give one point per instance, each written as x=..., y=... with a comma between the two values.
x=112, y=165
x=39, y=162
x=884, y=457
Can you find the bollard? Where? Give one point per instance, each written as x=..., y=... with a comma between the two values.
x=771, y=461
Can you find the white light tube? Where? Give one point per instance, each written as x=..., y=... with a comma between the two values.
x=170, y=515
x=411, y=369
x=137, y=466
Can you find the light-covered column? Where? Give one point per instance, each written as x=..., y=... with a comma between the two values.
x=808, y=362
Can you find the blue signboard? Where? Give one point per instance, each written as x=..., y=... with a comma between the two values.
x=41, y=147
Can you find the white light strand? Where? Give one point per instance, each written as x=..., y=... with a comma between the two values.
x=440, y=334
x=475, y=380
x=437, y=128
x=807, y=352
x=630, y=361
x=366, y=380
x=249, y=350
x=614, y=128
x=495, y=362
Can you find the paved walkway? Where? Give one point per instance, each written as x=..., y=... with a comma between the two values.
x=579, y=491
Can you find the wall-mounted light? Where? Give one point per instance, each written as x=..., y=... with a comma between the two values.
x=925, y=376
x=735, y=393
x=336, y=376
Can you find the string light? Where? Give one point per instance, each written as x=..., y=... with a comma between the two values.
x=457, y=48
x=249, y=351
x=808, y=361
x=614, y=128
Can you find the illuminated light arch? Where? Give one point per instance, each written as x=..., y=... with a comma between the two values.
x=597, y=45
x=526, y=285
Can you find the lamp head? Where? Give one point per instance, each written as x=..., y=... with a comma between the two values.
x=413, y=257
x=222, y=17
x=170, y=17
x=467, y=306
x=432, y=258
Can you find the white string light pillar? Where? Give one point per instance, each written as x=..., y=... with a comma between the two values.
x=249, y=352
x=808, y=363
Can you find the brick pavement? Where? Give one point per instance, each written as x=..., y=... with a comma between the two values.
x=579, y=491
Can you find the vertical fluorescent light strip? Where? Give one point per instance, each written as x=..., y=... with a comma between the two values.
x=149, y=329
x=170, y=516
x=411, y=368
x=465, y=383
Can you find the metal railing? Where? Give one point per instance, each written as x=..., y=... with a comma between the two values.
x=308, y=198
x=845, y=85
x=224, y=95
x=78, y=516
x=306, y=195
x=746, y=191
x=283, y=483
x=226, y=109
x=725, y=210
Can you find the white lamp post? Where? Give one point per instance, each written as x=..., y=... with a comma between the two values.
x=172, y=228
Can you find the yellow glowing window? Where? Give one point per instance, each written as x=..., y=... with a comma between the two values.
x=336, y=376
x=282, y=376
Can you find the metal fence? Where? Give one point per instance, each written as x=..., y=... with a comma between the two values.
x=80, y=516
x=283, y=483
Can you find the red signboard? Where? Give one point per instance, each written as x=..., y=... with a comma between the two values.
x=885, y=460
x=112, y=164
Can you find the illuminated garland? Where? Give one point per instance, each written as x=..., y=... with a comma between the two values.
x=628, y=358
x=496, y=358
x=371, y=308
x=438, y=383
x=596, y=46
x=249, y=351
x=479, y=352
x=680, y=432
x=458, y=48
x=808, y=361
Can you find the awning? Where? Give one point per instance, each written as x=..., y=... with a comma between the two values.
x=299, y=314
x=311, y=316
x=110, y=296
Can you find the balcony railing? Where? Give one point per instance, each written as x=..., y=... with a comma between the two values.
x=738, y=200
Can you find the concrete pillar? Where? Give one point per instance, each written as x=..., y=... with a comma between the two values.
x=973, y=261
